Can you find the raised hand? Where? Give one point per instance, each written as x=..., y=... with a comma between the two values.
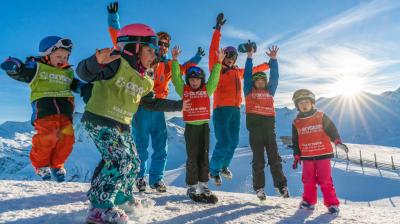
x=104, y=56
x=112, y=8
x=221, y=55
x=272, y=53
x=201, y=52
x=176, y=51
x=11, y=65
x=220, y=21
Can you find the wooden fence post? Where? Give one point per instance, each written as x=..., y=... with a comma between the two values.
x=393, y=166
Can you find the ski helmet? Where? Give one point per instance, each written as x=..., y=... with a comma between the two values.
x=259, y=75
x=195, y=72
x=51, y=43
x=139, y=34
x=302, y=94
x=231, y=52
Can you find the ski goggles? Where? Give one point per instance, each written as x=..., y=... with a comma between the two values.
x=150, y=41
x=62, y=43
x=162, y=43
x=194, y=72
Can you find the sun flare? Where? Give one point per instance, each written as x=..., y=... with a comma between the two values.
x=348, y=85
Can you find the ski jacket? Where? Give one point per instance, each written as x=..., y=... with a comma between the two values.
x=45, y=104
x=229, y=89
x=162, y=73
x=208, y=88
x=260, y=102
x=312, y=134
x=91, y=71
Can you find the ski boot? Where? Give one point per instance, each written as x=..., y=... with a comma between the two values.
x=192, y=193
x=106, y=215
x=226, y=173
x=206, y=196
x=333, y=209
x=141, y=184
x=283, y=191
x=44, y=173
x=217, y=180
x=261, y=194
x=159, y=186
x=59, y=174
x=306, y=205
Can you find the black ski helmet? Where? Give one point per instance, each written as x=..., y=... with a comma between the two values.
x=195, y=72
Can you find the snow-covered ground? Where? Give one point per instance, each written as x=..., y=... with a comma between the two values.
x=34, y=202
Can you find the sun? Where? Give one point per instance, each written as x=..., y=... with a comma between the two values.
x=349, y=85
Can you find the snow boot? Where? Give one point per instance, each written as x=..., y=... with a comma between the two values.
x=159, y=186
x=261, y=194
x=192, y=193
x=306, y=205
x=106, y=216
x=217, y=180
x=137, y=203
x=283, y=191
x=206, y=196
x=226, y=173
x=333, y=209
x=141, y=184
x=44, y=173
x=59, y=174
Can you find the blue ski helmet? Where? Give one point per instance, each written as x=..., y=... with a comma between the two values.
x=51, y=43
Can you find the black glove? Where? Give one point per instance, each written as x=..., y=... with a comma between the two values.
x=220, y=21
x=86, y=92
x=201, y=52
x=12, y=65
x=113, y=8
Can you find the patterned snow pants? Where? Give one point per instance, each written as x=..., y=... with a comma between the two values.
x=114, y=184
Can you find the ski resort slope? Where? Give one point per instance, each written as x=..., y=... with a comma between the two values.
x=367, y=195
x=48, y=202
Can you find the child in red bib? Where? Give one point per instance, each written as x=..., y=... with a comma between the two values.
x=312, y=134
x=196, y=93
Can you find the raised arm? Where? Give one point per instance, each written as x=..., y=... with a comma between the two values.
x=274, y=72
x=113, y=22
x=101, y=66
x=248, y=73
x=215, y=41
x=176, y=72
x=213, y=80
x=18, y=70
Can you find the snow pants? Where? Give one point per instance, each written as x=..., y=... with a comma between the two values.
x=262, y=138
x=226, y=127
x=113, y=185
x=146, y=124
x=197, y=138
x=318, y=172
x=53, y=141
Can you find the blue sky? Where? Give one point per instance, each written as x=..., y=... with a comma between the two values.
x=320, y=41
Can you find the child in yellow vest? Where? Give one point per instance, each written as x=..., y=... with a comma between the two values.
x=52, y=81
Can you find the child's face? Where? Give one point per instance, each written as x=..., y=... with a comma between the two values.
x=305, y=105
x=147, y=56
x=194, y=83
x=59, y=58
x=260, y=83
x=229, y=62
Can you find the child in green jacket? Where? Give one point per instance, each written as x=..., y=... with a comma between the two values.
x=196, y=114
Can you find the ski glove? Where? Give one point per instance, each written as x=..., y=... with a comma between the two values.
x=12, y=66
x=201, y=52
x=342, y=147
x=220, y=21
x=113, y=8
x=296, y=161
